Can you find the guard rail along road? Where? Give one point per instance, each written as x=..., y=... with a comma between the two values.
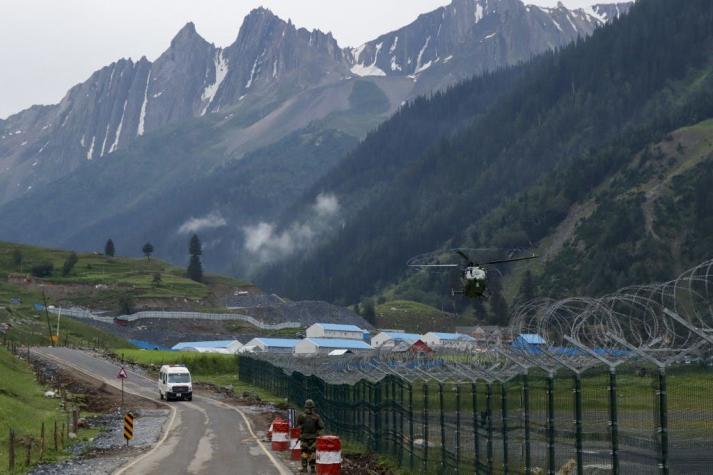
x=83, y=313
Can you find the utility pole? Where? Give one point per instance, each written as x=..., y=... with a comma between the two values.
x=47, y=315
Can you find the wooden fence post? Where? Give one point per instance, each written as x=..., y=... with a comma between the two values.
x=42, y=441
x=55, y=435
x=28, y=452
x=11, y=452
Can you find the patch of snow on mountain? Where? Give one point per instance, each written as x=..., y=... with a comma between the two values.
x=590, y=11
x=478, y=12
x=142, y=114
x=574, y=27
x=221, y=71
x=447, y=58
x=394, y=64
x=393, y=45
x=106, y=135
x=487, y=37
x=368, y=70
x=115, y=145
x=91, y=149
x=252, y=72
x=556, y=24
x=419, y=66
x=274, y=68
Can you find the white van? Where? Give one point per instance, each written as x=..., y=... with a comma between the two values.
x=174, y=382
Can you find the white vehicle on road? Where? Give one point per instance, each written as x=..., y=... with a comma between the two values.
x=174, y=382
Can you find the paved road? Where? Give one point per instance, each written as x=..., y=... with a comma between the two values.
x=204, y=436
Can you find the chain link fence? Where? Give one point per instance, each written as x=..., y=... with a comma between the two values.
x=617, y=384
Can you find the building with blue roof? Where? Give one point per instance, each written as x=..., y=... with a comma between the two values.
x=394, y=338
x=448, y=340
x=217, y=346
x=313, y=346
x=271, y=345
x=531, y=342
x=336, y=330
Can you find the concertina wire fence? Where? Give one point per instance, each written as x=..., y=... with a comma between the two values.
x=623, y=384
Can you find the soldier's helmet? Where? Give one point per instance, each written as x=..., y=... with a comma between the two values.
x=309, y=404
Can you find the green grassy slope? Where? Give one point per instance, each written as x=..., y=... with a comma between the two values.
x=24, y=408
x=120, y=280
x=416, y=317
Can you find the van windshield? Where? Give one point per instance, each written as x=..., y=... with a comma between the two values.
x=179, y=378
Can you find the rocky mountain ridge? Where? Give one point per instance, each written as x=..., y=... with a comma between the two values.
x=221, y=104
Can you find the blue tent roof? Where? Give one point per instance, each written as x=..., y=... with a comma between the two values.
x=147, y=345
x=403, y=336
x=453, y=336
x=344, y=343
x=532, y=339
x=339, y=327
x=279, y=342
x=203, y=344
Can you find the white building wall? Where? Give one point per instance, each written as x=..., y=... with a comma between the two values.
x=315, y=331
x=343, y=334
x=306, y=347
x=431, y=340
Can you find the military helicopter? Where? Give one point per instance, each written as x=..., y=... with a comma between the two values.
x=473, y=274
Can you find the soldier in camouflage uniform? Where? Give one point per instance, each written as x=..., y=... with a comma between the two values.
x=310, y=425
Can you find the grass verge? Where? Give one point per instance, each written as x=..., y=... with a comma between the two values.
x=23, y=408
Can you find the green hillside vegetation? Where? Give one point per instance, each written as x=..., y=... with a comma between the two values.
x=24, y=408
x=415, y=317
x=569, y=123
x=125, y=284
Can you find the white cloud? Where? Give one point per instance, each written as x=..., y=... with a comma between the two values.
x=209, y=221
x=267, y=244
x=326, y=204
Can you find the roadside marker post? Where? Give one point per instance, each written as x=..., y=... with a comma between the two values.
x=122, y=376
x=128, y=427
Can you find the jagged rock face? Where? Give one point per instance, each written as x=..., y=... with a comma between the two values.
x=269, y=51
x=272, y=61
x=470, y=36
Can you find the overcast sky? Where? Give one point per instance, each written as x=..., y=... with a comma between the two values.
x=47, y=46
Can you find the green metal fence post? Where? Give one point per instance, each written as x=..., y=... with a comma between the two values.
x=410, y=424
x=489, y=417
x=443, y=428
x=476, y=429
x=613, y=421
x=551, y=464
x=526, y=408
x=425, y=427
x=663, y=421
x=378, y=434
x=394, y=432
x=578, y=422
x=457, y=428
x=401, y=422
x=384, y=413
x=504, y=413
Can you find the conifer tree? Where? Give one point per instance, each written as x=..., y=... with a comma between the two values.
x=195, y=267
x=109, y=248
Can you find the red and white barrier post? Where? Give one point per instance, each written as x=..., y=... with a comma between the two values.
x=329, y=455
x=280, y=435
x=295, y=448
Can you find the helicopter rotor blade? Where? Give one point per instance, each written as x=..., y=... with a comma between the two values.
x=434, y=265
x=503, y=261
x=464, y=256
